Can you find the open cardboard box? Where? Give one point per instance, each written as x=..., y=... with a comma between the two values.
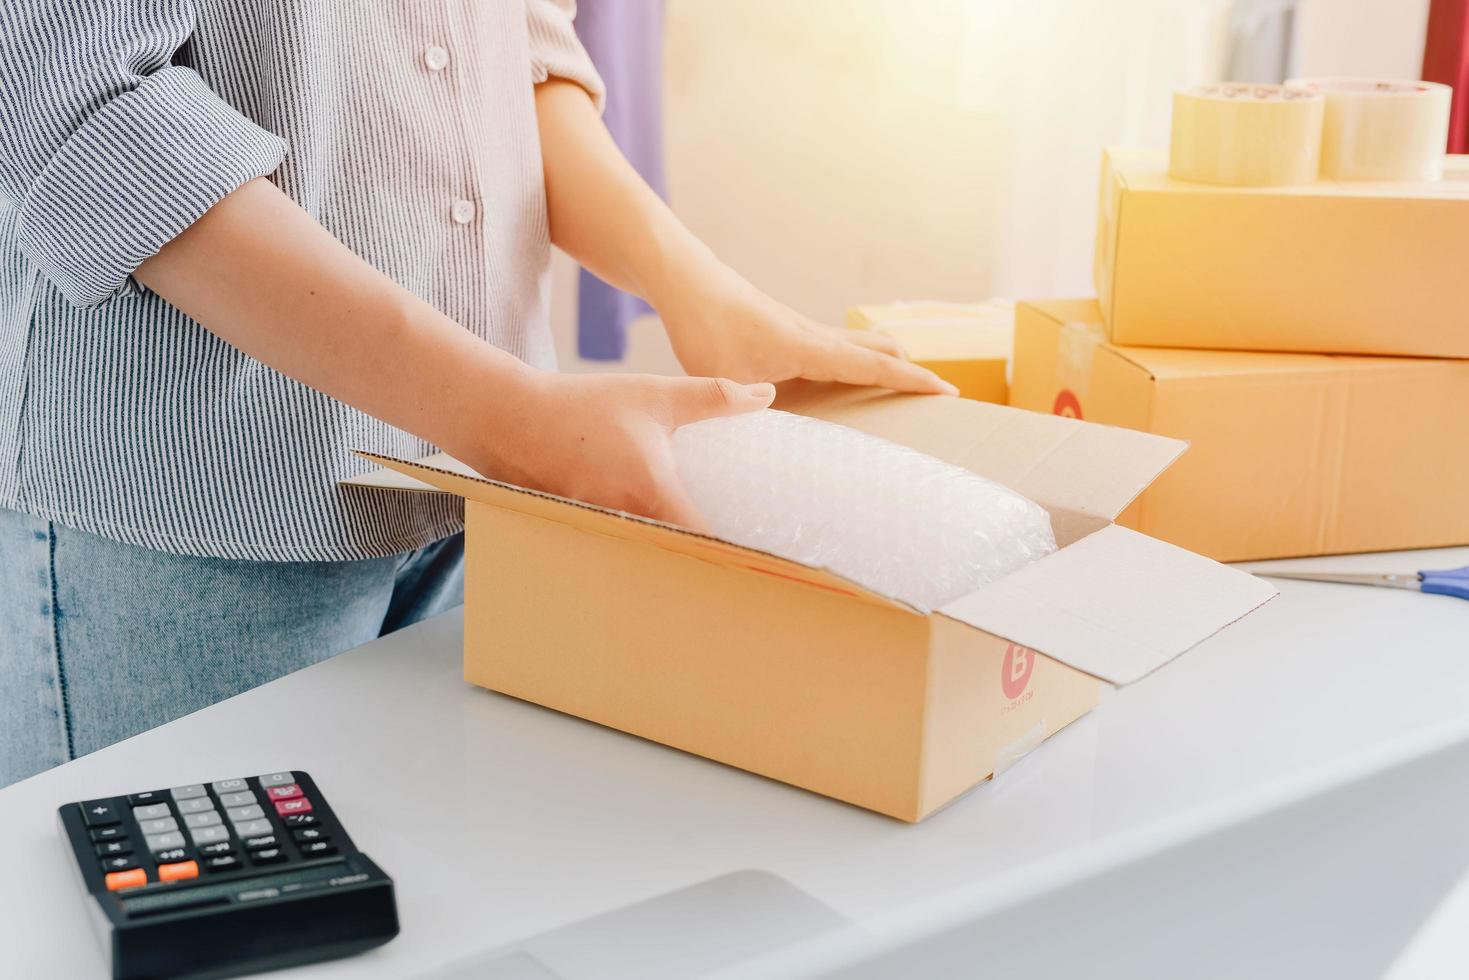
x=804, y=676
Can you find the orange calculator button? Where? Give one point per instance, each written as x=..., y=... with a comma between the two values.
x=127, y=879
x=178, y=871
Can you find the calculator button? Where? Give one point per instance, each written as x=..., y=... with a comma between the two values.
x=301, y=820
x=308, y=834
x=107, y=833
x=200, y=804
x=209, y=818
x=230, y=786
x=170, y=854
x=109, y=847
x=221, y=862
x=119, y=862
x=217, y=847
x=208, y=835
x=126, y=879
x=162, y=842
x=178, y=871
x=284, y=792
x=267, y=855
x=239, y=814
x=277, y=779
x=163, y=825
x=144, y=799
x=99, y=813
x=228, y=800
x=318, y=848
x=190, y=792
x=253, y=828
x=264, y=840
x=153, y=811
x=287, y=807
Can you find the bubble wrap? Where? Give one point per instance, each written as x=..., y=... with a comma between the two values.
x=888, y=517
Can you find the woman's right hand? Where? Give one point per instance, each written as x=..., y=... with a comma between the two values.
x=606, y=438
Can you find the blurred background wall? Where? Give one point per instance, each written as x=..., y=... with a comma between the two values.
x=844, y=151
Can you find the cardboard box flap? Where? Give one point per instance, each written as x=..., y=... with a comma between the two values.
x=1061, y=463
x=1116, y=604
x=444, y=474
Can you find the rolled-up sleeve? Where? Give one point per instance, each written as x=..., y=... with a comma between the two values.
x=555, y=50
x=108, y=150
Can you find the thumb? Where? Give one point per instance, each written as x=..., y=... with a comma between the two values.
x=707, y=398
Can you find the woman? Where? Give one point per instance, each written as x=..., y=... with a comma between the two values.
x=239, y=239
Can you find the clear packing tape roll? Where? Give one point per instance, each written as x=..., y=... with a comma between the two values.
x=1246, y=135
x=1337, y=128
x=1381, y=130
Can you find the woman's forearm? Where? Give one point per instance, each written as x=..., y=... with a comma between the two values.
x=260, y=273
x=602, y=212
x=605, y=216
x=264, y=276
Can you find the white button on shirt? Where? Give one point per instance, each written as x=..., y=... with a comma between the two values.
x=435, y=57
x=462, y=212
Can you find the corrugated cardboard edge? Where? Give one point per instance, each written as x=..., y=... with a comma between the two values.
x=1111, y=196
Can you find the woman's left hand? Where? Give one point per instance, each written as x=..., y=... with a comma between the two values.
x=722, y=326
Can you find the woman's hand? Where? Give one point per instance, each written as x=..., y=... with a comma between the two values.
x=604, y=215
x=721, y=325
x=260, y=273
x=605, y=438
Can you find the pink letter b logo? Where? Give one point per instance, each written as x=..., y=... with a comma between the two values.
x=1015, y=671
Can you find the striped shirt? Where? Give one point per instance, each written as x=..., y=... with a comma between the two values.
x=406, y=127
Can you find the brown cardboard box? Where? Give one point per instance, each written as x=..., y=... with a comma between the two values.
x=966, y=344
x=1291, y=454
x=799, y=674
x=1360, y=267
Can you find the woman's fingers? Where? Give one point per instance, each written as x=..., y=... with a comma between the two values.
x=856, y=365
x=873, y=341
x=693, y=399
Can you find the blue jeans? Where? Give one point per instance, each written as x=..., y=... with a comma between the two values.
x=101, y=640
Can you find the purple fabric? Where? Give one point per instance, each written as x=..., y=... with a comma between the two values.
x=625, y=41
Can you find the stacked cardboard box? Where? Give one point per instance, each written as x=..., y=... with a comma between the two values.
x=966, y=344
x=1210, y=298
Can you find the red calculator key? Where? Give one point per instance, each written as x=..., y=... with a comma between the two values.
x=178, y=871
x=290, y=792
x=287, y=807
x=131, y=878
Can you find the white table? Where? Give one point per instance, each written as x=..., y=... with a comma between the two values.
x=502, y=821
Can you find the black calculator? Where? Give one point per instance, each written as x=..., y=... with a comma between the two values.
x=223, y=878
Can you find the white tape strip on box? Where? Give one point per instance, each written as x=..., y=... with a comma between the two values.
x=1377, y=129
x=1007, y=755
x=1076, y=349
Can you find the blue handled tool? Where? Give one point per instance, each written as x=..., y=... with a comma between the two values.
x=1448, y=581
